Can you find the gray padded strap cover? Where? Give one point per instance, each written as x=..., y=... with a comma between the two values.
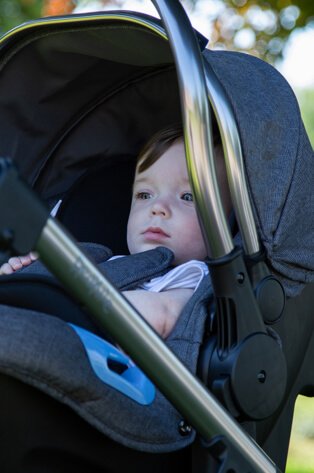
x=45, y=352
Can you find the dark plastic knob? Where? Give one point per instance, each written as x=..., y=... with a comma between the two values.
x=258, y=376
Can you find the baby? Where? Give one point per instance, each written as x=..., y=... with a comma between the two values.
x=162, y=214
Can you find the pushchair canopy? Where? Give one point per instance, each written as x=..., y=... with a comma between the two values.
x=103, y=84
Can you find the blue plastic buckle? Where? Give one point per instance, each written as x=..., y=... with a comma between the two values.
x=103, y=356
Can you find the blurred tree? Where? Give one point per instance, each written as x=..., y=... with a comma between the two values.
x=15, y=12
x=306, y=100
x=57, y=7
x=259, y=27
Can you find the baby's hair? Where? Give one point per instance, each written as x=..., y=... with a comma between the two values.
x=161, y=141
x=158, y=144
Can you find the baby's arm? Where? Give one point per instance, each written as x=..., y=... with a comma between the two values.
x=160, y=309
x=17, y=262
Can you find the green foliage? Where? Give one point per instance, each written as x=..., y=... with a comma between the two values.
x=15, y=12
x=298, y=468
x=300, y=458
x=306, y=101
x=260, y=27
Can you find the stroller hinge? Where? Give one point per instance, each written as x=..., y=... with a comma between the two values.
x=243, y=363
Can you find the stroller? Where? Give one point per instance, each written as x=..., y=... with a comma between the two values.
x=79, y=95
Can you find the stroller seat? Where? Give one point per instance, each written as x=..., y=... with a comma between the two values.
x=87, y=201
x=113, y=81
x=90, y=200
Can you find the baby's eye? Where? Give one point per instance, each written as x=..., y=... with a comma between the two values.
x=142, y=195
x=187, y=196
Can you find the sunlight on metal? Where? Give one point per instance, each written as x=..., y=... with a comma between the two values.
x=234, y=163
x=197, y=126
x=87, y=284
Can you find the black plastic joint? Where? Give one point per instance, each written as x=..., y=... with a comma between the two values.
x=22, y=215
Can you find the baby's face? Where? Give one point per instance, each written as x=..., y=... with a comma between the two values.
x=163, y=211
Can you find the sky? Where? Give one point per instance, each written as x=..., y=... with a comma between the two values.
x=297, y=65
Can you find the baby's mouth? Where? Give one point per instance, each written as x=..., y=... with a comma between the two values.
x=155, y=233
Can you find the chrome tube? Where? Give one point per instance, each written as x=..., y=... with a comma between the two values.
x=197, y=126
x=82, y=278
x=194, y=87
x=234, y=162
x=197, y=123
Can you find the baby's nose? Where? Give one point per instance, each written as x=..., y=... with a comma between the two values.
x=160, y=209
x=158, y=212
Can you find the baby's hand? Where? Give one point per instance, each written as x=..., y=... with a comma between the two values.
x=18, y=262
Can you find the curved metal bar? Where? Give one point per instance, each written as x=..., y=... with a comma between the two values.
x=234, y=162
x=196, y=117
x=88, y=285
x=197, y=126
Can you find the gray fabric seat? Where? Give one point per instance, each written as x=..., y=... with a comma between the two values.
x=127, y=74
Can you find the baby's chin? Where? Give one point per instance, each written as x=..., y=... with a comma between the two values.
x=150, y=246
x=179, y=259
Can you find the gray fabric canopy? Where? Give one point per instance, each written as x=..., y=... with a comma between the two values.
x=57, y=130
x=278, y=160
x=121, y=87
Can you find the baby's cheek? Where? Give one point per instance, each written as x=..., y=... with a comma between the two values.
x=129, y=236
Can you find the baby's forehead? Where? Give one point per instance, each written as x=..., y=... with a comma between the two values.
x=162, y=175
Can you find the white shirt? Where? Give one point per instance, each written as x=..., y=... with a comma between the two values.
x=187, y=275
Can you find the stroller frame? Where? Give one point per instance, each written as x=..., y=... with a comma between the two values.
x=61, y=255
